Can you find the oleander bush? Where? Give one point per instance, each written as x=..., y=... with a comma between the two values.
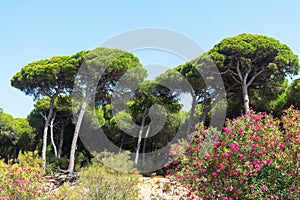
x=255, y=157
x=26, y=180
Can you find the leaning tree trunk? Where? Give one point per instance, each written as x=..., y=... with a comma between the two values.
x=61, y=140
x=245, y=96
x=47, y=121
x=76, y=134
x=51, y=135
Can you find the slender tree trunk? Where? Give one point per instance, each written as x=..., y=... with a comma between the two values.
x=191, y=119
x=139, y=141
x=204, y=114
x=204, y=108
x=245, y=97
x=76, y=134
x=121, y=146
x=51, y=134
x=145, y=143
x=61, y=140
x=47, y=121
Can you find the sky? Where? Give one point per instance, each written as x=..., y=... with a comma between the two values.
x=33, y=30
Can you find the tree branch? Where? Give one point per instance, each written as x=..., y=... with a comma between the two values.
x=239, y=71
x=254, y=76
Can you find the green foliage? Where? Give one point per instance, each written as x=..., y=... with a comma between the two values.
x=254, y=157
x=293, y=94
x=29, y=159
x=99, y=181
x=15, y=135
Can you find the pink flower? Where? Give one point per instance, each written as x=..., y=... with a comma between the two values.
x=254, y=174
x=255, y=161
x=226, y=155
x=166, y=165
x=238, y=170
x=207, y=157
x=239, y=191
x=281, y=146
x=273, y=154
x=227, y=131
x=258, y=167
x=264, y=188
x=222, y=166
x=264, y=162
x=253, y=146
x=230, y=188
x=214, y=174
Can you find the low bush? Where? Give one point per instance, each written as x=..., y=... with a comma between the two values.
x=101, y=181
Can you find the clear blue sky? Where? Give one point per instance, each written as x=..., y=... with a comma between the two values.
x=33, y=30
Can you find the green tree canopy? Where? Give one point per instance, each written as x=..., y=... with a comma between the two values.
x=250, y=61
x=293, y=94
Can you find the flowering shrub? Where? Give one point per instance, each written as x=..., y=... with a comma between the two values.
x=253, y=158
x=291, y=124
x=26, y=183
x=26, y=180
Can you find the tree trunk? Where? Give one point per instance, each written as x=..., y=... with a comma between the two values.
x=51, y=134
x=139, y=141
x=145, y=143
x=61, y=140
x=245, y=96
x=204, y=108
x=47, y=121
x=76, y=134
x=204, y=114
x=191, y=119
x=121, y=146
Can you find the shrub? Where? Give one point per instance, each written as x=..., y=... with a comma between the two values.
x=99, y=181
x=29, y=158
x=252, y=158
